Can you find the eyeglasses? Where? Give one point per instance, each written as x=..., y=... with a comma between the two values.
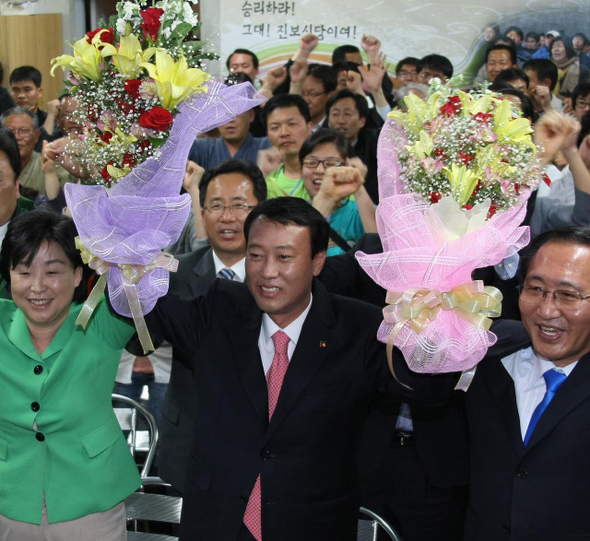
x=236, y=209
x=311, y=95
x=569, y=300
x=22, y=132
x=312, y=163
x=582, y=104
x=404, y=73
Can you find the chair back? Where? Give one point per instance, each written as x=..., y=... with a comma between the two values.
x=128, y=419
x=369, y=525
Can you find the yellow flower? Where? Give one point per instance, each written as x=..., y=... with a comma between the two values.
x=463, y=181
x=128, y=59
x=175, y=81
x=117, y=173
x=423, y=147
x=86, y=60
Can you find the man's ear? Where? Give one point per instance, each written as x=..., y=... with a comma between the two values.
x=363, y=121
x=318, y=262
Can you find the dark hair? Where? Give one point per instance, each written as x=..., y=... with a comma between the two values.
x=9, y=146
x=535, y=35
x=515, y=29
x=28, y=231
x=289, y=211
x=337, y=67
x=339, y=53
x=326, y=135
x=408, y=61
x=20, y=111
x=544, y=68
x=576, y=35
x=569, y=51
x=505, y=77
x=325, y=75
x=360, y=102
x=528, y=111
x=502, y=47
x=282, y=101
x=585, y=128
x=573, y=235
x=245, y=167
x=581, y=91
x=26, y=73
x=437, y=62
x=243, y=51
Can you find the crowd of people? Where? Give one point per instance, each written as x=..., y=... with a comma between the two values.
x=277, y=411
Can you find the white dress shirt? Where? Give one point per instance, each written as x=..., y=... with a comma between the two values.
x=526, y=368
x=239, y=268
x=269, y=327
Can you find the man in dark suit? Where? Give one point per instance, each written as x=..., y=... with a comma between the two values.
x=232, y=184
x=293, y=476
x=528, y=408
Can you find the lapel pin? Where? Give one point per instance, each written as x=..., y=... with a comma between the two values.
x=322, y=343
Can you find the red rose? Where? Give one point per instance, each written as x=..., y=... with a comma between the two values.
x=492, y=211
x=129, y=160
x=132, y=87
x=157, y=118
x=105, y=174
x=107, y=35
x=483, y=117
x=465, y=159
x=106, y=136
x=151, y=22
x=125, y=107
x=452, y=107
x=435, y=196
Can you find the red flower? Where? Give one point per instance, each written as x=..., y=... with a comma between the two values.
x=151, y=22
x=452, y=107
x=144, y=145
x=132, y=87
x=467, y=207
x=157, y=118
x=129, y=160
x=546, y=179
x=93, y=113
x=105, y=174
x=107, y=35
x=106, y=136
x=484, y=117
x=492, y=211
x=435, y=197
x=125, y=107
x=465, y=159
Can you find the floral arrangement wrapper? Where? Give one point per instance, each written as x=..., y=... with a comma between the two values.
x=123, y=230
x=436, y=315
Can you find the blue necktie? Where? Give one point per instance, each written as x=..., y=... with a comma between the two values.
x=553, y=380
x=226, y=273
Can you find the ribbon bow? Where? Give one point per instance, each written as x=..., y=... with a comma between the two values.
x=471, y=301
x=132, y=274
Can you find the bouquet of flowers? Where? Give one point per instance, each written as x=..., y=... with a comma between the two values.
x=455, y=172
x=143, y=105
x=129, y=77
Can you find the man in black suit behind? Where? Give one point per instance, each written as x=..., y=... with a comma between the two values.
x=305, y=456
x=237, y=184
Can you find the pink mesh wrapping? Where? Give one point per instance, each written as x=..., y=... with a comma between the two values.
x=416, y=254
x=144, y=213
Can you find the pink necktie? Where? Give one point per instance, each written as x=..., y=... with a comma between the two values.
x=274, y=381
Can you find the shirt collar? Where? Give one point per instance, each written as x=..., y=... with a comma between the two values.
x=293, y=330
x=239, y=268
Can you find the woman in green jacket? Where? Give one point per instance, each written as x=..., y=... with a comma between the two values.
x=65, y=467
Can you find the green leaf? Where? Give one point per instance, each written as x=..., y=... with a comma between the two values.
x=156, y=142
x=181, y=31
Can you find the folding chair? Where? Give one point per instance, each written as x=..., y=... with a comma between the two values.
x=370, y=524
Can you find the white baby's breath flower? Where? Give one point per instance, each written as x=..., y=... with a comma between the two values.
x=121, y=26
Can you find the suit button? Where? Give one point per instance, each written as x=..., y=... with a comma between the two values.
x=40, y=436
x=522, y=473
x=35, y=406
x=506, y=528
x=270, y=504
x=266, y=455
x=38, y=369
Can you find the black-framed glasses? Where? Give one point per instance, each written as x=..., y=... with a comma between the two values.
x=311, y=95
x=312, y=163
x=235, y=208
x=563, y=298
x=22, y=132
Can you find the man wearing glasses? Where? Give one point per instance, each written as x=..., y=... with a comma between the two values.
x=528, y=407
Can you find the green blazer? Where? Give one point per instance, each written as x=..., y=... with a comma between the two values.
x=77, y=458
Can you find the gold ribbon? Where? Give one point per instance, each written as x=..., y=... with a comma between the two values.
x=473, y=301
x=132, y=274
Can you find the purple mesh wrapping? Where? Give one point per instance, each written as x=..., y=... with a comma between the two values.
x=133, y=221
x=416, y=254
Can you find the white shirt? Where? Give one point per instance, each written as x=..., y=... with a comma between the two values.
x=269, y=327
x=526, y=368
x=239, y=268
x=3, y=229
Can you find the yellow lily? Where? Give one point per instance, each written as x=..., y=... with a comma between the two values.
x=463, y=181
x=117, y=173
x=86, y=60
x=482, y=105
x=175, y=81
x=129, y=58
x=423, y=147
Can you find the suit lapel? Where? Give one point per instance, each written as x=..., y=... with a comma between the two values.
x=575, y=389
x=501, y=386
x=244, y=343
x=313, y=347
x=204, y=272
